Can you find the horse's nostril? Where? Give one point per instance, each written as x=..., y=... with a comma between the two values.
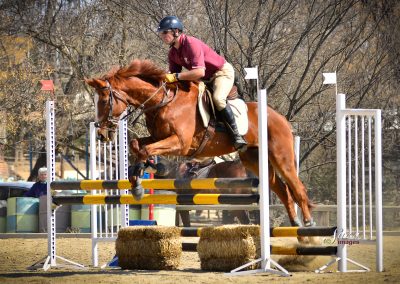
x=101, y=137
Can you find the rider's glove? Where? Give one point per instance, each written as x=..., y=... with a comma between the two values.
x=171, y=78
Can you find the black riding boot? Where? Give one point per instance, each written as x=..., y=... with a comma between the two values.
x=238, y=141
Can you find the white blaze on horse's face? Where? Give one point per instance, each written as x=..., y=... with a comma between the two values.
x=106, y=124
x=96, y=100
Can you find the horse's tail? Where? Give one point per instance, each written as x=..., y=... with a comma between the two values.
x=311, y=205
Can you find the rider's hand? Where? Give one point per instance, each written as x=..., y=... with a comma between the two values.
x=171, y=78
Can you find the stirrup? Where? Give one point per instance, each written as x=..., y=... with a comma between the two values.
x=240, y=144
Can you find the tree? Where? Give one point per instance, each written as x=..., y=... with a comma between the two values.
x=291, y=42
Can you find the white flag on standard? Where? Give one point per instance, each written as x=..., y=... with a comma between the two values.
x=251, y=73
x=329, y=78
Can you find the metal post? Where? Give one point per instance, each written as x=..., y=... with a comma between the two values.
x=123, y=165
x=51, y=168
x=93, y=176
x=341, y=178
x=378, y=191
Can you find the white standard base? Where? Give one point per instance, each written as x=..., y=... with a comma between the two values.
x=336, y=259
x=282, y=271
x=44, y=263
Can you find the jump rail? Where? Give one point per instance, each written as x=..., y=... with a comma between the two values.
x=159, y=199
x=159, y=184
x=277, y=231
x=278, y=250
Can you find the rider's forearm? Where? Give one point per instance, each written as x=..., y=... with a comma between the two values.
x=192, y=75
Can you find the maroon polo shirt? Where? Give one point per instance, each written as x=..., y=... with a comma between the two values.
x=193, y=53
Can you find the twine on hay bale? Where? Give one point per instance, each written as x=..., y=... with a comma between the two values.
x=225, y=248
x=149, y=247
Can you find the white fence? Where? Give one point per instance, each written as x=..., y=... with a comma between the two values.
x=359, y=179
x=108, y=161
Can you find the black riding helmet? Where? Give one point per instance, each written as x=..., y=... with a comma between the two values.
x=170, y=23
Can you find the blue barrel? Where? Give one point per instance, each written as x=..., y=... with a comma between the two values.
x=63, y=216
x=135, y=212
x=115, y=213
x=3, y=216
x=80, y=218
x=164, y=214
x=22, y=215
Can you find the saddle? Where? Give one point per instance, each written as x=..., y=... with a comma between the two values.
x=209, y=115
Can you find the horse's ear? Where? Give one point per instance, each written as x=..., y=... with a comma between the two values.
x=95, y=83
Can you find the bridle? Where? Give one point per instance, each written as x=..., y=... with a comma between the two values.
x=114, y=95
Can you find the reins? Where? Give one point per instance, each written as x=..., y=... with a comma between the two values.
x=114, y=95
x=142, y=108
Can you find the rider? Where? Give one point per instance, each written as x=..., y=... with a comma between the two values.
x=201, y=62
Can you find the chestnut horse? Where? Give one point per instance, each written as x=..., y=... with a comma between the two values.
x=176, y=128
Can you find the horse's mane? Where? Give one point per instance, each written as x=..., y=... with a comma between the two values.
x=144, y=69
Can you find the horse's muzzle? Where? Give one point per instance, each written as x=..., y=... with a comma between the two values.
x=105, y=135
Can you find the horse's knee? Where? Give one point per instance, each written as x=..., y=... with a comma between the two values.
x=134, y=146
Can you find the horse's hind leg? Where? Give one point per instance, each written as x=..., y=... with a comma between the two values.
x=285, y=165
x=249, y=160
x=185, y=217
x=283, y=192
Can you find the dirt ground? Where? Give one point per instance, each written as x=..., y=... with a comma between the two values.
x=17, y=254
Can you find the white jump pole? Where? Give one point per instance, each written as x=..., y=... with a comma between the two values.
x=343, y=233
x=93, y=175
x=50, y=260
x=123, y=165
x=102, y=233
x=341, y=178
x=378, y=191
x=265, y=260
x=51, y=169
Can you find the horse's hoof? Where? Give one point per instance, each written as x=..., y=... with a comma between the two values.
x=310, y=223
x=296, y=222
x=136, y=170
x=303, y=240
x=150, y=167
x=137, y=193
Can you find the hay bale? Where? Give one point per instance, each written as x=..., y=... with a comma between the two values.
x=149, y=247
x=225, y=248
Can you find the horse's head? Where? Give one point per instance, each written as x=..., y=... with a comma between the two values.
x=111, y=103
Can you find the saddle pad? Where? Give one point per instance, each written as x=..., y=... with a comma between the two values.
x=239, y=109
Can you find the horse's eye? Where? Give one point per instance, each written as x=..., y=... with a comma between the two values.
x=103, y=99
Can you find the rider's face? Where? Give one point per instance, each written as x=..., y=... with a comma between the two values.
x=167, y=36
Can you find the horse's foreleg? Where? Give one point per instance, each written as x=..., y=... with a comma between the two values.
x=172, y=145
x=136, y=146
x=135, y=172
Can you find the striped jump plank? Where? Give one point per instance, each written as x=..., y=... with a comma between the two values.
x=277, y=250
x=185, y=199
x=277, y=231
x=159, y=184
